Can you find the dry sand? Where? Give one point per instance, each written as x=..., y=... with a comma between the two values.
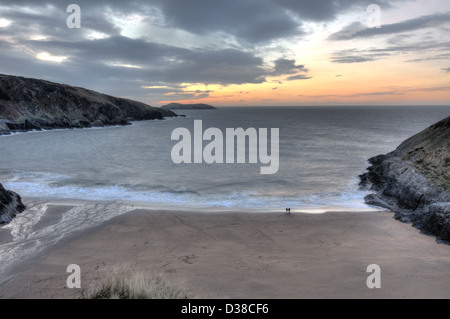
x=247, y=255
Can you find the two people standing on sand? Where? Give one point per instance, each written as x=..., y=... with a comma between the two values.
x=288, y=211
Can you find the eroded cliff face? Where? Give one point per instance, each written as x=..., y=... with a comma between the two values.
x=31, y=104
x=414, y=180
x=10, y=205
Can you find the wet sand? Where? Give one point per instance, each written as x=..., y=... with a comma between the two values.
x=245, y=255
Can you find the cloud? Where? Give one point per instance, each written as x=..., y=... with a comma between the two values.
x=137, y=67
x=328, y=10
x=286, y=66
x=372, y=54
x=38, y=30
x=187, y=94
x=182, y=42
x=351, y=59
x=358, y=30
x=49, y=19
x=255, y=21
x=298, y=77
x=443, y=56
x=348, y=32
x=357, y=56
x=432, y=89
x=156, y=62
x=393, y=92
x=380, y=93
x=246, y=20
x=446, y=69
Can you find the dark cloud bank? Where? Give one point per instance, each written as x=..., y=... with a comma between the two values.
x=101, y=64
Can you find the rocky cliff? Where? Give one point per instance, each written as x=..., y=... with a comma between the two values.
x=414, y=180
x=28, y=104
x=10, y=205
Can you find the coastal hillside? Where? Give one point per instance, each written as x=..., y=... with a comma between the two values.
x=31, y=104
x=414, y=180
x=179, y=106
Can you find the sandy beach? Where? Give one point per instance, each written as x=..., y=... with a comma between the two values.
x=244, y=255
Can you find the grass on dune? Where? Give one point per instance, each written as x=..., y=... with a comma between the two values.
x=134, y=286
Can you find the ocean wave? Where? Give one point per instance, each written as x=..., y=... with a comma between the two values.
x=46, y=186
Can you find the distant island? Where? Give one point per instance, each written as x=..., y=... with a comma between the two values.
x=179, y=106
x=414, y=180
x=31, y=104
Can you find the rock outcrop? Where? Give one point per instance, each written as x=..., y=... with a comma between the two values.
x=179, y=106
x=10, y=205
x=414, y=180
x=31, y=104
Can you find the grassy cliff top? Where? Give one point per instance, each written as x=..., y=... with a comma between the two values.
x=429, y=152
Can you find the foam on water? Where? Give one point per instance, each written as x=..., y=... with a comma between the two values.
x=28, y=241
x=45, y=186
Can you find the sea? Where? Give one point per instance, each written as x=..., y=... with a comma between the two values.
x=322, y=151
x=105, y=172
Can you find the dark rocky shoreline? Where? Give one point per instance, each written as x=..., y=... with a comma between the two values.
x=10, y=205
x=31, y=104
x=413, y=181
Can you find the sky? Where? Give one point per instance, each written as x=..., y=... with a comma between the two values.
x=236, y=52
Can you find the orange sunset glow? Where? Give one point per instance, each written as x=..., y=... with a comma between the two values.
x=278, y=53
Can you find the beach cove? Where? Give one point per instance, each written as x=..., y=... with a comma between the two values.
x=243, y=255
